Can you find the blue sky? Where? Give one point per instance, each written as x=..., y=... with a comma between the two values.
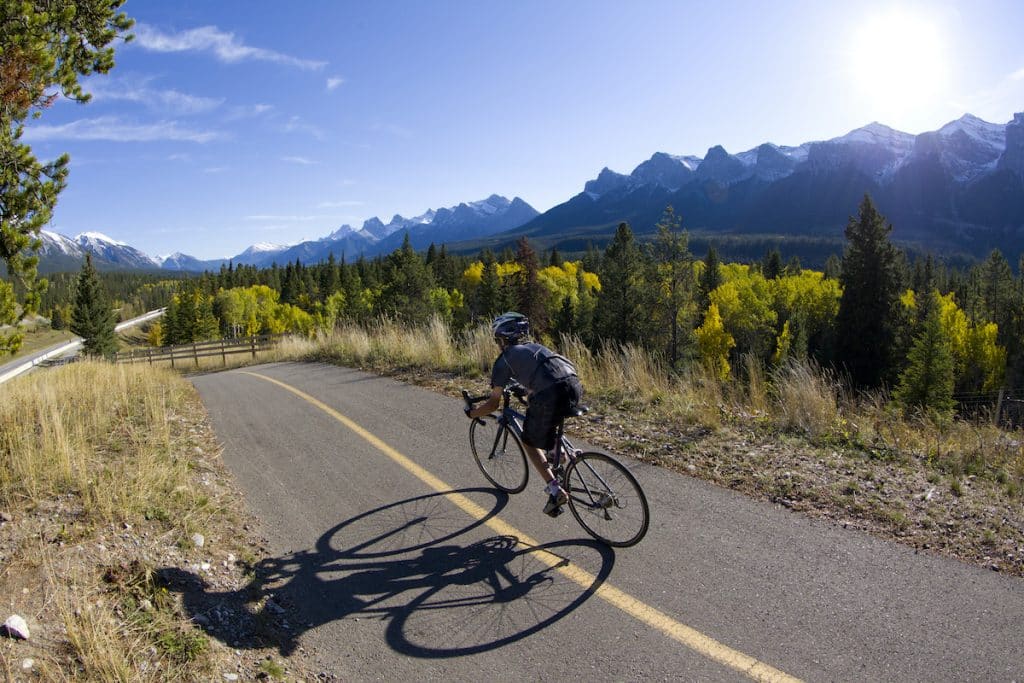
x=230, y=123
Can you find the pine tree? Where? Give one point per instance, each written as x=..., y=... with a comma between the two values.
x=927, y=382
x=710, y=278
x=530, y=295
x=44, y=48
x=488, y=292
x=866, y=322
x=675, y=281
x=57, y=319
x=771, y=266
x=621, y=315
x=833, y=267
x=407, y=284
x=92, y=318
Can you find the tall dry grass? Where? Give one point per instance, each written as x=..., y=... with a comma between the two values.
x=99, y=431
x=798, y=397
x=115, y=446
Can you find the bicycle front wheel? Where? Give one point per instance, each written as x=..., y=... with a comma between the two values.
x=499, y=455
x=607, y=500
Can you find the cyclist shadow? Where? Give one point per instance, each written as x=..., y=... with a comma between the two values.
x=408, y=564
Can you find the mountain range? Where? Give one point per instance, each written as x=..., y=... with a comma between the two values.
x=958, y=189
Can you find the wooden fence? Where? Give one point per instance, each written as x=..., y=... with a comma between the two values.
x=183, y=353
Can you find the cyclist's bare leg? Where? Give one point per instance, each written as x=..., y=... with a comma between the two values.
x=540, y=463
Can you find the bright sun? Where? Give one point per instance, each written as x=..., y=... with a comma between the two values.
x=898, y=60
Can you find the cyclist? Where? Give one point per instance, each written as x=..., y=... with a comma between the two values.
x=553, y=390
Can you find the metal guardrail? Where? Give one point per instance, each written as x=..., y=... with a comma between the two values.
x=182, y=353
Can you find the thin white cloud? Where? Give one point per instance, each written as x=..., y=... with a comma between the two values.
x=225, y=46
x=296, y=125
x=216, y=169
x=333, y=82
x=302, y=161
x=112, y=129
x=338, y=205
x=141, y=92
x=1017, y=75
x=247, y=111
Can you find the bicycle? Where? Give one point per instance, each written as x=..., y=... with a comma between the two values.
x=604, y=497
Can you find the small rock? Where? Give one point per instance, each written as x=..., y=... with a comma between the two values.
x=205, y=566
x=27, y=663
x=198, y=540
x=15, y=627
x=145, y=605
x=230, y=677
x=201, y=619
x=6, y=517
x=231, y=558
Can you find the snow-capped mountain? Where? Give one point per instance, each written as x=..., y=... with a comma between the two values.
x=468, y=220
x=184, y=262
x=59, y=252
x=115, y=252
x=960, y=187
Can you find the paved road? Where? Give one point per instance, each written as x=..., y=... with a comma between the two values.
x=26, y=363
x=395, y=580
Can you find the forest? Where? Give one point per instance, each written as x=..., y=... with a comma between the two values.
x=939, y=337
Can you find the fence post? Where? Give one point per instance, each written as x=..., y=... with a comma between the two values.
x=999, y=408
x=170, y=349
x=149, y=355
x=253, y=341
x=224, y=352
x=195, y=354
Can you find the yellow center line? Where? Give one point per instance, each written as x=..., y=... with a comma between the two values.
x=681, y=633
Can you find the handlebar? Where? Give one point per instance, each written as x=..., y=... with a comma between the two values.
x=470, y=400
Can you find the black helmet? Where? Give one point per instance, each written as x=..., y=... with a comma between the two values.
x=510, y=326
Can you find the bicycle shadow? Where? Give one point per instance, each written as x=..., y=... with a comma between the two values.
x=412, y=565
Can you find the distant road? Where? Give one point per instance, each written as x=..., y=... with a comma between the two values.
x=401, y=564
x=24, y=364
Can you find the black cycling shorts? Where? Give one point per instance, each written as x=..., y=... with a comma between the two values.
x=547, y=408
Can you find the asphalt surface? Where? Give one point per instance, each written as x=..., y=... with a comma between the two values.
x=394, y=580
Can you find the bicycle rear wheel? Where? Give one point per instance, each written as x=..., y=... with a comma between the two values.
x=607, y=500
x=499, y=455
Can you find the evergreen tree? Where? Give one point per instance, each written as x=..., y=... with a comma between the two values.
x=555, y=259
x=833, y=267
x=927, y=382
x=675, y=281
x=530, y=294
x=998, y=293
x=406, y=285
x=793, y=266
x=329, y=278
x=621, y=315
x=92, y=319
x=44, y=48
x=57, y=319
x=488, y=294
x=710, y=278
x=771, y=266
x=866, y=322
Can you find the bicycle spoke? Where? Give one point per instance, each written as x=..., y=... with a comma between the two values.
x=606, y=500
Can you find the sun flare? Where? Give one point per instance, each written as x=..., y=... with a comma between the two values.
x=898, y=59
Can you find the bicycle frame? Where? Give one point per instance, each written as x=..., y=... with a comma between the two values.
x=513, y=420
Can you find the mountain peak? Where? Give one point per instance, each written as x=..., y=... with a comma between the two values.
x=93, y=236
